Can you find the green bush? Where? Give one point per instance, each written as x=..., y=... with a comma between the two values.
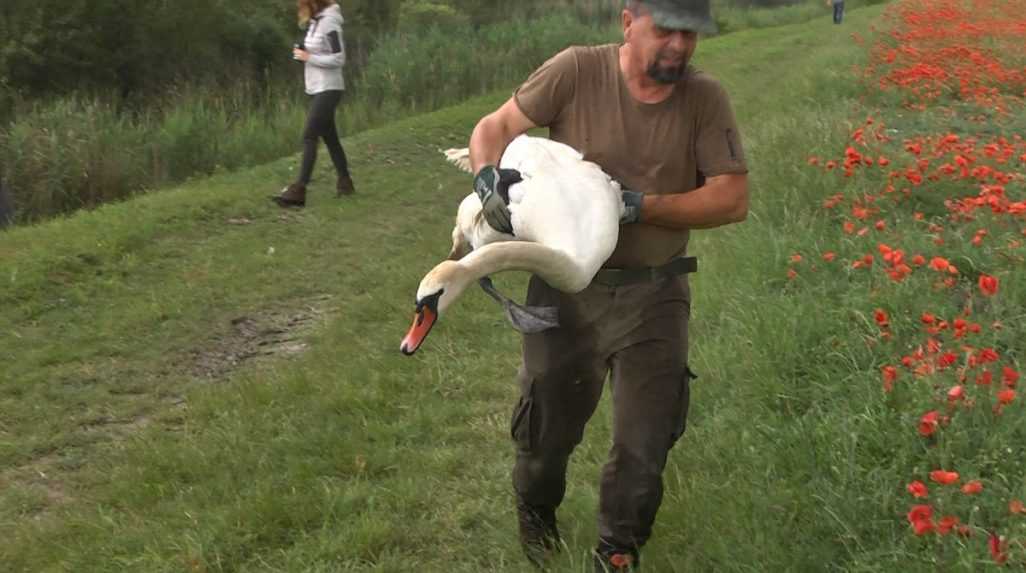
x=421, y=15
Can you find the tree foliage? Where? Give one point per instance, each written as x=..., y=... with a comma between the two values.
x=59, y=46
x=53, y=47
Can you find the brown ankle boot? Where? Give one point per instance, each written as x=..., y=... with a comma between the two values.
x=345, y=186
x=292, y=196
x=539, y=536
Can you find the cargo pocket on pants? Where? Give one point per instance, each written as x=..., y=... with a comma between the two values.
x=520, y=425
x=685, y=400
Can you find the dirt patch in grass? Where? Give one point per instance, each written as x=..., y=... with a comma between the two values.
x=274, y=334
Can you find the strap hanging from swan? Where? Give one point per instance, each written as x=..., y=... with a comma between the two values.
x=565, y=215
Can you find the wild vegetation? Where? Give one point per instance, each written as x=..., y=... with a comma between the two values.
x=194, y=380
x=100, y=101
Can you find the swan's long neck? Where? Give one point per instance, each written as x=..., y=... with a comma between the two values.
x=453, y=277
x=555, y=267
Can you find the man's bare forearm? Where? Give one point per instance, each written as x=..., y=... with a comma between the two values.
x=494, y=132
x=488, y=142
x=715, y=204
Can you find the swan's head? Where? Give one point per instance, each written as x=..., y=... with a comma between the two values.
x=437, y=291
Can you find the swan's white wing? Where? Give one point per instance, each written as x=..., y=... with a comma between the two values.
x=459, y=157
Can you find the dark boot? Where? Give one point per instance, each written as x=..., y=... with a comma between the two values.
x=345, y=186
x=539, y=536
x=292, y=196
x=610, y=560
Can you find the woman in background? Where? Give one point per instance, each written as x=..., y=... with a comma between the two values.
x=6, y=205
x=838, y=10
x=323, y=55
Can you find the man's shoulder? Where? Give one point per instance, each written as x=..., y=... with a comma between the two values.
x=704, y=85
x=702, y=80
x=590, y=55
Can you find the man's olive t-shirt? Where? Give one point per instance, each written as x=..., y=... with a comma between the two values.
x=666, y=147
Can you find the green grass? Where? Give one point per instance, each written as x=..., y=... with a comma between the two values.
x=129, y=439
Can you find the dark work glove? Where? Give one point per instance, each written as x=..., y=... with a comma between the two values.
x=631, y=206
x=492, y=186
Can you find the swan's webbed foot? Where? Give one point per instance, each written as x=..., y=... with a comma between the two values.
x=525, y=319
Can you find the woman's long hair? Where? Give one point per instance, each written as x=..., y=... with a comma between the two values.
x=307, y=9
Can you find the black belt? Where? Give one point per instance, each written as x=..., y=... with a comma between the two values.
x=624, y=277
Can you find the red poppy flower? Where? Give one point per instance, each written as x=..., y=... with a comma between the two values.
x=939, y=264
x=944, y=477
x=946, y=524
x=988, y=285
x=1009, y=377
x=881, y=318
x=890, y=374
x=1016, y=506
x=928, y=318
x=918, y=489
x=920, y=512
x=998, y=547
x=956, y=394
x=972, y=487
x=1006, y=396
x=923, y=526
x=919, y=260
x=829, y=256
x=987, y=355
x=928, y=423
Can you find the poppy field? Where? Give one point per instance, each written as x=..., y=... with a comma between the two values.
x=931, y=227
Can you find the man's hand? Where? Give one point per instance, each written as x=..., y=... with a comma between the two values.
x=492, y=186
x=631, y=206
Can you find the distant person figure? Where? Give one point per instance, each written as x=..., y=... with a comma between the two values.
x=323, y=55
x=6, y=205
x=838, y=10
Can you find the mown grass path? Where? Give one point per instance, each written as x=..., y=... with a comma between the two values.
x=196, y=381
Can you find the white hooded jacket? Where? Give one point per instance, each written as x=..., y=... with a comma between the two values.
x=323, y=71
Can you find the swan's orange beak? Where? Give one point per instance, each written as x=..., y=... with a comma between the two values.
x=422, y=324
x=427, y=315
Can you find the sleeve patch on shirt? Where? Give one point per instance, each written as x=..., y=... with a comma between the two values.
x=730, y=144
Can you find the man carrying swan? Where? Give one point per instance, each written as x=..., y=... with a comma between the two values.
x=667, y=132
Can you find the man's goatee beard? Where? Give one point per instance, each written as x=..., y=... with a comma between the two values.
x=667, y=74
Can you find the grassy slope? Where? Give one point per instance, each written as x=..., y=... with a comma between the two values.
x=351, y=457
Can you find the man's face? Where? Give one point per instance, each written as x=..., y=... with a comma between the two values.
x=664, y=53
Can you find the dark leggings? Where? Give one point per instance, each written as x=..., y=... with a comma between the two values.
x=320, y=123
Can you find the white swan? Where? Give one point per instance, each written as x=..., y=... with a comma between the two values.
x=565, y=216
